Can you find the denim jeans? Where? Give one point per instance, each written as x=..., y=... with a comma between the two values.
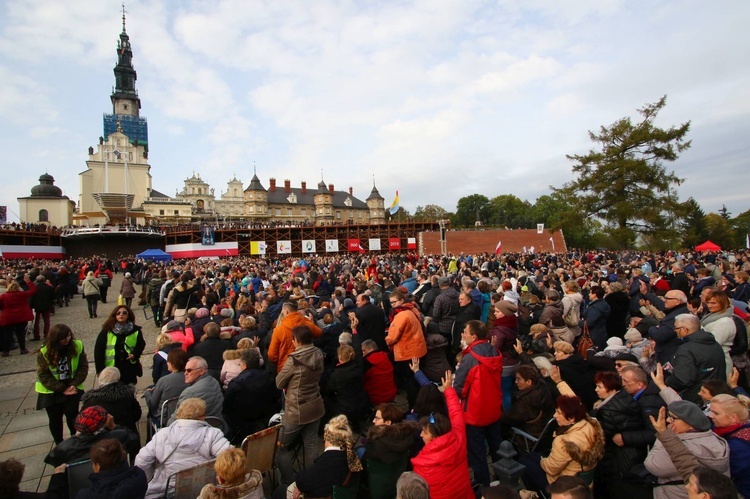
x=291, y=434
x=478, y=438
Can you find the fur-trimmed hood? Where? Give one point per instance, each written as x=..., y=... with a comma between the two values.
x=252, y=487
x=403, y=429
x=590, y=456
x=112, y=392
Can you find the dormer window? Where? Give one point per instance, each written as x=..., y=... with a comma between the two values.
x=292, y=198
x=348, y=201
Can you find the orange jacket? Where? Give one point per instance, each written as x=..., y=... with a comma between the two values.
x=281, y=339
x=405, y=336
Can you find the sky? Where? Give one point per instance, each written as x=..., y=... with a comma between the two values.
x=438, y=99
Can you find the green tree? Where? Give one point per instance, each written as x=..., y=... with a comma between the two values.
x=719, y=230
x=624, y=182
x=470, y=208
x=557, y=212
x=725, y=214
x=430, y=212
x=741, y=226
x=693, y=224
x=509, y=211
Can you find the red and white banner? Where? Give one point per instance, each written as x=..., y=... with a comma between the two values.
x=394, y=244
x=411, y=243
x=44, y=252
x=355, y=246
x=197, y=250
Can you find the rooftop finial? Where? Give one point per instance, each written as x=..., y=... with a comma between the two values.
x=254, y=172
x=373, y=180
x=123, y=17
x=321, y=175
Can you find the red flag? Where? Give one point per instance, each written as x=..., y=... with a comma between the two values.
x=499, y=248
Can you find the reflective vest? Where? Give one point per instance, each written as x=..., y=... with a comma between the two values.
x=40, y=388
x=109, y=353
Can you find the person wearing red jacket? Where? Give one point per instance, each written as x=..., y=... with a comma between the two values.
x=442, y=462
x=478, y=379
x=379, y=384
x=16, y=314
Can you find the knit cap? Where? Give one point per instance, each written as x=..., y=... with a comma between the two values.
x=91, y=419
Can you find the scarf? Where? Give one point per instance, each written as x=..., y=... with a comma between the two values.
x=123, y=329
x=343, y=443
x=726, y=430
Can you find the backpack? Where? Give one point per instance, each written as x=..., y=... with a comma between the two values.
x=739, y=345
x=573, y=317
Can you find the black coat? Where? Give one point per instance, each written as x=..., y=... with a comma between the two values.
x=596, y=315
x=345, y=391
x=620, y=414
x=574, y=371
x=251, y=399
x=125, y=482
x=699, y=358
x=530, y=410
x=77, y=447
x=649, y=401
x=44, y=298
x=388, y=443
x=129, y=371
x=465, y=314
x=118, y=400
x=328, y=470
x=211, y=349
x=681, y=282
x=371, y=325
x=619, y=307
x=665, y=337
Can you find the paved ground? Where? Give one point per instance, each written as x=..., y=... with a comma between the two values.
x=24, y=434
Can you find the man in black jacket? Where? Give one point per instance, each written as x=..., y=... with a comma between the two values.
x=371, y=322
x=675, y=303
x=43, y=303
x=428, y=300
x=635, y=381
x=699, y=358
x=251, y=398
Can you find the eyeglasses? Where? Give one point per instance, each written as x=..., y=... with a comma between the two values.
x=190, y=370
x=393, y=302
x=122, y=312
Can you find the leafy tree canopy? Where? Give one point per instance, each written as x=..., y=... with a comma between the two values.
x=624, y=181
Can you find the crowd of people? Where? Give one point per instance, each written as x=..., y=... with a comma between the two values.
x=613, y=374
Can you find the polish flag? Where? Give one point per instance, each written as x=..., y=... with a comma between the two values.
x=499, y=248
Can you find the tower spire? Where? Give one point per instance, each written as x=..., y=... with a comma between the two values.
x=123, y=17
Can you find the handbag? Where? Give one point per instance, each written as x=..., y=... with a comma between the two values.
x=180, y=314
x=120, y=300
x=585, y=342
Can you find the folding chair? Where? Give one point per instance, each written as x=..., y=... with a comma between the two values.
x=167, y=408
x=190, y=481
x=217, y=422
x=78, y=476
x=260, y=451
x=526, y=443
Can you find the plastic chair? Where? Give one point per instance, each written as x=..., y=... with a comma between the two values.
x=190, y=482
x=526, y=443
x=349, y=489
x=260, y=451
x=382, y=478
x=78, y=476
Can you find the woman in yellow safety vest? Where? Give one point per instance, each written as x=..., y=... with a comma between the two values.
x=120, y=344
x=61, y=368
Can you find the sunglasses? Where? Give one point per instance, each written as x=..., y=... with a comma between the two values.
x=122, y=312
x=188, y=371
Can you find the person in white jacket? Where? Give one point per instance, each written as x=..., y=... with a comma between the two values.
x=718, y=321
x=187, y=442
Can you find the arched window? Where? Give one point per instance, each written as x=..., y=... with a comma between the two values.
x=200, y=205
x=43, y=216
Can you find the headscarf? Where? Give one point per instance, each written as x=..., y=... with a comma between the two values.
x=342, y=442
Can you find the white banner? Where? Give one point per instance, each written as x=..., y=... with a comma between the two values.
x=539, y=228
x=332, y=245
x=308, y=246
x=373, y=244
x=283, y=247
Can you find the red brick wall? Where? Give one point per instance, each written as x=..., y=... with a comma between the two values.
x=481, y=241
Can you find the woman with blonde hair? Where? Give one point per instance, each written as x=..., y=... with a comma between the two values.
x=183, y=444
x=231, y=367
x=718, y=321
x=337, y=466
x=164, y=345
x=233, y=481
x=731, y=419
x=344, y=393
